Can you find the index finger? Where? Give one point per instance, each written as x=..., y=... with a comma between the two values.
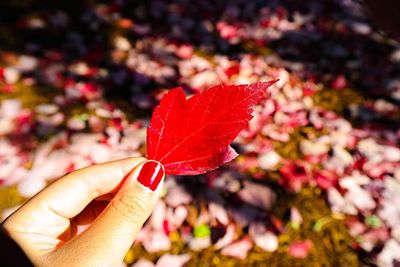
x=69, y=195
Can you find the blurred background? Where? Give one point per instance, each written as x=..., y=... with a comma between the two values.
x=317, y=182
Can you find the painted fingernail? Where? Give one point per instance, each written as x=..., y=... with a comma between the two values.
x=151, y=174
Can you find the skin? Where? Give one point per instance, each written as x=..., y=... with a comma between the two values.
x=89, y=217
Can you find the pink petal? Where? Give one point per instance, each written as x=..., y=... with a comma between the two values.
x=228, y=238
x=177, y=216
x=218, y=212
x=156, y=241
x=158, y=215
x=169, y=260
x=300, y=249
x=143, y=263
x=238, y=249
x=263, y=238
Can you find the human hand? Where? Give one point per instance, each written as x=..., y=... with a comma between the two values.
x=89, y=217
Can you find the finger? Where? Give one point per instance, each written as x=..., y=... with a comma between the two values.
x=82, y=221
x=106, y=197
x=113, y=232
x=48, y=213
x=90, y=213
x=68, y=196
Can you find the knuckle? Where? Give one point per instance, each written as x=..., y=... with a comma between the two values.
x=132, y=207
x=89, y=185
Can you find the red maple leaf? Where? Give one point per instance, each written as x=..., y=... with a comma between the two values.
x=192, y=136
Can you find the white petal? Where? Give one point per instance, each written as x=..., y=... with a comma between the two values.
x=169, y=260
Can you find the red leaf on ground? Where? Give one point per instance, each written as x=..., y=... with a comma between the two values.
x=192, y=136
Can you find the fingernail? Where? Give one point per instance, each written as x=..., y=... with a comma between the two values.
x=151, y=174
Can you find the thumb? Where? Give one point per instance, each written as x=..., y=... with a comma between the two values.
x=113, y=232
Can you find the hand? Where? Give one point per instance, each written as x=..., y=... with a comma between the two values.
x=89, y=217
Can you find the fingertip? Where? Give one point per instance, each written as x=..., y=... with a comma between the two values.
x=151, y=174
x=127, y=165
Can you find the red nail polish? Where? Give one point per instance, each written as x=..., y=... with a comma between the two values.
x=151, y=174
